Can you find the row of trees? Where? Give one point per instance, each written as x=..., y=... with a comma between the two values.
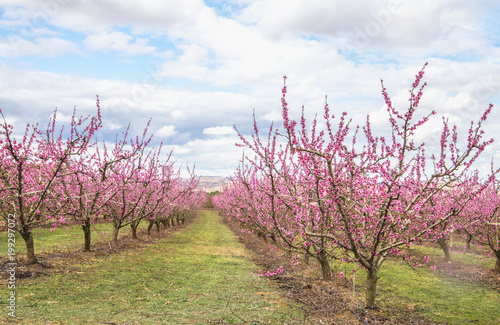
x=324, y=194
x=58, y=176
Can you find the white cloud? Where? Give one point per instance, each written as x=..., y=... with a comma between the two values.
x=62, y=118
x=8, y=119
x=168, y=131
x=118, y=42
x=17, y=46
x=113, y=126
x=178, y=115
x=217, y=156
x=272, y=117
x=32, y=95
x=363, y=24
x=93, y=15
x=219, y=130
x=298, y=16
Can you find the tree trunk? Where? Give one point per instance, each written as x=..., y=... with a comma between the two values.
x=371, y=287
x=497, y=264
x=30, y=247
x=325, y=266
x=133, y=226
x=306, y=256
x=468, y=241
x=87, y=235
x=150, y=225
x=444, y=242
x=157, y=226
x=114, y=238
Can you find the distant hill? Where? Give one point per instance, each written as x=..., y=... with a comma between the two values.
x=211, y=183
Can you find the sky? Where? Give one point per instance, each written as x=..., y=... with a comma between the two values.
x=197, y=68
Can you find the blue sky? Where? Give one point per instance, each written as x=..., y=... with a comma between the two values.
x=196, y=68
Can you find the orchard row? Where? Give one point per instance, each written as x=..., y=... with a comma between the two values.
x=58, y=176
x=325, y=190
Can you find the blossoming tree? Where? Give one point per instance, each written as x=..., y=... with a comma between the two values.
x=368, y=198
x=30, y=168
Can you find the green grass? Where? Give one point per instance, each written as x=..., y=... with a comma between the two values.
x=442, y=298
x=468, y=258
x=66, y=238
x=202, y=274
x=197, y=275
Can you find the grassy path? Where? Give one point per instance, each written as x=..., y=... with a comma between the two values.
x=199, y=275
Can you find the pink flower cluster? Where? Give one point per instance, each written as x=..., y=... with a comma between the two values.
x=271, y=273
